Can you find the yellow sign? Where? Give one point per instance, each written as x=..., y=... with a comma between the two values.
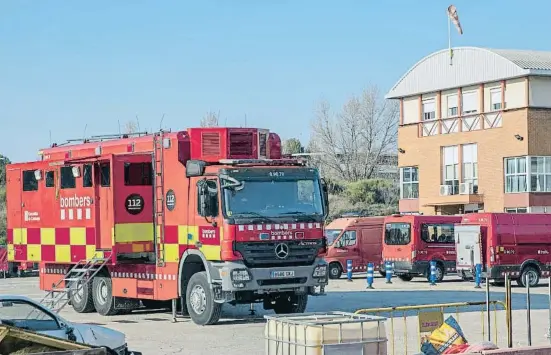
x=429, y=321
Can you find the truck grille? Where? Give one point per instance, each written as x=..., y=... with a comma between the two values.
x=263, y=254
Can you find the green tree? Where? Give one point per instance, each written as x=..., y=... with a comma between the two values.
x=3, y=224
x=292, y=146
x=369, y=197
x=371, y=191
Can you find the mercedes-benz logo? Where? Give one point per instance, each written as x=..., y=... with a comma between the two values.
x=282, y=251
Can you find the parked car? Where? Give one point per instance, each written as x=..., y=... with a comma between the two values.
x=25, y=313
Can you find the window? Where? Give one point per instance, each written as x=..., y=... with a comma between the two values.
x=469, y=102
x=515, y=174
x=495, y=99
x=29, y=181
x=212, y=195
x=437, y=233
x=451, y=168
x=516, y=210
x=50, y=179
x=331, y=235
x=452, y=105
x=528, y=174
x=87, y=175
x=409, y=184
x=429, y=109
x=470, y=165
x=105, y=174
x=348, y=239
x=138, y=174
x=68, y=180
x=287, y=196
x=540, y=174
x=397, y=233
x=22, y=314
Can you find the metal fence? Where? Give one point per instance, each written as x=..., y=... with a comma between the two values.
x=405, y=336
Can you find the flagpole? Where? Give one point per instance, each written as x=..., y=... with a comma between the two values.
x=450, y=39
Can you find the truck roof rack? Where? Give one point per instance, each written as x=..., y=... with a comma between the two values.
x=100, y=138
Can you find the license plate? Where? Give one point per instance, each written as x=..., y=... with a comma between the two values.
x=282, y=274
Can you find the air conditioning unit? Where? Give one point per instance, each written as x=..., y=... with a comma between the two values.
x=466, y=188
x=445, y=190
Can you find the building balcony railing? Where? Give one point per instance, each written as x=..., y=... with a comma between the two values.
x=466, y=123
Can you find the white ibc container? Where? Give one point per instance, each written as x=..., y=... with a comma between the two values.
x=331, y=333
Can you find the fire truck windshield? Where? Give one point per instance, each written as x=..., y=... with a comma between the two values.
x=274, y=198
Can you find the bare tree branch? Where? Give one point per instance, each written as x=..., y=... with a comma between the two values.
x=130, y=127
x=353, y=141
x=211, y=119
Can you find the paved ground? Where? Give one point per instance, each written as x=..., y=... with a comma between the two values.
x=239, y=333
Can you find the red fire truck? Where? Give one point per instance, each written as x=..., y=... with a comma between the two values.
x=200, y=217
x=411, y=242
x=516, y=244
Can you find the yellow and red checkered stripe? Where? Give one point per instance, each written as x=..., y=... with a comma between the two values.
x=73, y=244
x=64, y=245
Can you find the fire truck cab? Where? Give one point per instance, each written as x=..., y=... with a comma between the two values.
x=199, y=217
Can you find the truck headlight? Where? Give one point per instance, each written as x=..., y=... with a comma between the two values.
x=240, y=275
x=320, y=271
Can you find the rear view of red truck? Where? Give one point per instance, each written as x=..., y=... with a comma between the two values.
x=411, y=242
x=518, y=245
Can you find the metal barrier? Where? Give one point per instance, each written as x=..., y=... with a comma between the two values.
x=418, y=311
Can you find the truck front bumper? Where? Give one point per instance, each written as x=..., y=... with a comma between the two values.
x=235, y=276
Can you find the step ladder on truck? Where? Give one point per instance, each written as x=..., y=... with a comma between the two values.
x=171, y=219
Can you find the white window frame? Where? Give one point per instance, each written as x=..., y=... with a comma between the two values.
x=495, y=99
x=453, y=108
x=516, y=209
x=413, y=173
x=470, y=162
x=537, y=175
x=450, y=163
x=516, y=180
x=429, y=109
x=540, y=176
x=467, y=95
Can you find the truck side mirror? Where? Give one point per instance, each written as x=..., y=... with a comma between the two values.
x=325, y=192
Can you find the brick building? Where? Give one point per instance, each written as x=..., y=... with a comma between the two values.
x=475, y=135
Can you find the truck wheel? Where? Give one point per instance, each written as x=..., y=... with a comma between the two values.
x=200, y=300
x=439, y=273
x=335, y=271
x=405, y=277
x=291, y=304
x=533, y=276
x=103, y=296
x=82, y=301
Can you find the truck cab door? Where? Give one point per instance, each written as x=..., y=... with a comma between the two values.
x=205, y=235
x=468, y=247
x=348, y=248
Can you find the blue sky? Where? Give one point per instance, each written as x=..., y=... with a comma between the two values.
x=65, y=65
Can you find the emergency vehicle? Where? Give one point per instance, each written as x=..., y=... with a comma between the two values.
x=411, y=242
x=357, y=239
x=204, y=217
x=513, y=244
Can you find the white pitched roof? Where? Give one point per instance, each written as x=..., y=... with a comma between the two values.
x=471, y=65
